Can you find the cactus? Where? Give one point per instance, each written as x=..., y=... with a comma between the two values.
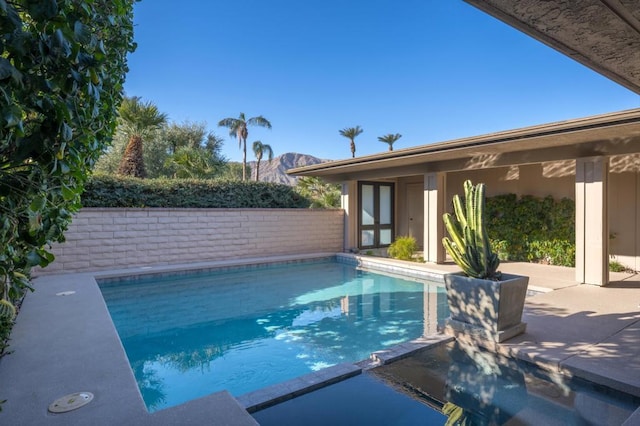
x=469, y=244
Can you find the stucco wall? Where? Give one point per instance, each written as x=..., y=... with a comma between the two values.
x=624, y=216
x=100, y=239
x=553, y=178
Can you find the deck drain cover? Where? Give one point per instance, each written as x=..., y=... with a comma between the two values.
x=70, y=402
x=65, y=293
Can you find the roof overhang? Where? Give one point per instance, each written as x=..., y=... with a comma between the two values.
x=604, y=35
x=609, y=134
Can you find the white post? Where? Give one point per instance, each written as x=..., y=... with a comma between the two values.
x=592, y=222
x=434, y=199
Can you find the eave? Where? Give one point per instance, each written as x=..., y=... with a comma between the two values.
x=608, y=134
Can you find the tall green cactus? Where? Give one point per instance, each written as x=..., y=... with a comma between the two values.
x=469, y=245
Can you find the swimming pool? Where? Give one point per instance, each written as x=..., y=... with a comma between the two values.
x=190, y=335
x=455, y=384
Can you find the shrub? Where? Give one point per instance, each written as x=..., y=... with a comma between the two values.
x=615, y=266
x=403, y=248
x=112, y=191
x=532, y=229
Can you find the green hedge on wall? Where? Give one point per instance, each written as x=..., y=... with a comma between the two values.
x=533, y=229
x=111, y=191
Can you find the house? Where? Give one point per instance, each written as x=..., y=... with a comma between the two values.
x=594, y=161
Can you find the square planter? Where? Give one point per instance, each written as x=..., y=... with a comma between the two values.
x=491, y=310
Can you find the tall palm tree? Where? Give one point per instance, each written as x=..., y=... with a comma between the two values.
x=137, y=119
x=390, y=139
x=238, y=128
x=259, y=149
x=351, y=133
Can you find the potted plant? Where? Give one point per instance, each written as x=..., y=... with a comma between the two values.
x=483, y=302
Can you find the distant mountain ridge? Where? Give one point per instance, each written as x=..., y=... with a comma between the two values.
x=275, y=170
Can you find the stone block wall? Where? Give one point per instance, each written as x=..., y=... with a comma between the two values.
x=110, y=238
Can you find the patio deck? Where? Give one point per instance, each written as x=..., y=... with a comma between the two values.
x=65, y=344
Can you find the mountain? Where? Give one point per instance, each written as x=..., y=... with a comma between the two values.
x=275, y=170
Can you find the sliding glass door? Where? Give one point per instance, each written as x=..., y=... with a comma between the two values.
x=375, y=219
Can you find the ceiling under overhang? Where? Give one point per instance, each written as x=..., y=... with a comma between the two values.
x=604, y=35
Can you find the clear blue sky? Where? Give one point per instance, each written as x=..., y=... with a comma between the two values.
x=431, y=70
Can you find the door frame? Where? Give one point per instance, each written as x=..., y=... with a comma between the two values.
x=376, y=227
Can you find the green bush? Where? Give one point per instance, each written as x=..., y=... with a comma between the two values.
x=532, y=229
x=403, y=248
x=62, y=67
x=111, y=191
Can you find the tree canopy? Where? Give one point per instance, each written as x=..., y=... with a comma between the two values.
x=238, y=128
x=323, y=195
x=390, y=139
x=351, y=133
x=137, y=119
x=259, y=149
x=181, y=150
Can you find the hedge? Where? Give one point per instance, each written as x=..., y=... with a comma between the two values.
x=111, y=191
x=532, y=229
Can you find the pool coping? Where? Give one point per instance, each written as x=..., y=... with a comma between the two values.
x=280, y=392
x=64, y=342
x=76, y=335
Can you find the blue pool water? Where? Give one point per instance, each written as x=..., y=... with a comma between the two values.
x=241, y=330
x=455, y=384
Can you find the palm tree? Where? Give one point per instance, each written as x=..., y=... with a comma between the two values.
x=390, y=139
x=259, y=149
x=351, y=133
x=323, y=195
x=195, y=163
x=238, y=128
x=137, y=120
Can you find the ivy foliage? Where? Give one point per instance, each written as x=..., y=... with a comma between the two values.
x=62, y=68
x=117, y=191
x=532, y=229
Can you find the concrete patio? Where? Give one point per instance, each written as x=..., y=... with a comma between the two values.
x=65, y=344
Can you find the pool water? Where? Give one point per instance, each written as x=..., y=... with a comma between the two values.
x=361, y=400
x=484, y=388
x=453, y=384
x=241, y=330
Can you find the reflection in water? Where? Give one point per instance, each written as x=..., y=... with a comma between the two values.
x=482, y=388
x=270, y=326
x=474, y=387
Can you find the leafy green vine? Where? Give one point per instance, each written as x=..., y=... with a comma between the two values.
x=62, y=68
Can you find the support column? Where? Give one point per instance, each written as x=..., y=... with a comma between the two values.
x=592, y=222
x=434, y=199
x=348, y=202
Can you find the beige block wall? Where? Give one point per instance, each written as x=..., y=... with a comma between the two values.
x=100, y=239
